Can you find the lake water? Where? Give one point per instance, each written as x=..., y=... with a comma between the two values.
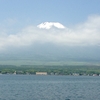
x=32, y=87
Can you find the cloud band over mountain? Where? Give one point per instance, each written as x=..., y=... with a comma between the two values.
x=87, y=33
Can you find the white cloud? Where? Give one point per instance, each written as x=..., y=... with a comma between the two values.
x=87, y=33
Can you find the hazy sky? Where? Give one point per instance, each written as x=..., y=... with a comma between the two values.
x=19, y=19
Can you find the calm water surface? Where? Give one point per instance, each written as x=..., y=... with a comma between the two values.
x=32, y=87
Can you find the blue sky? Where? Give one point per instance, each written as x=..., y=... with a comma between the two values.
x=67, y=12
x=80, y=20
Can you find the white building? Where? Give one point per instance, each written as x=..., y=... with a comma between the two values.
x=14, y=73
x=41, y=73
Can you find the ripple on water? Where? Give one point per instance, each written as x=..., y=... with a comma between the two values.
x=49, y=88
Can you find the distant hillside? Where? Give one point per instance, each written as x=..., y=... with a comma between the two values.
x=50, y=53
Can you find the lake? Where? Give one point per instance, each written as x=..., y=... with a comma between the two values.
x=34, y=87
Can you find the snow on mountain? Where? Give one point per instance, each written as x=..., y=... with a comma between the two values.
x=49, y=25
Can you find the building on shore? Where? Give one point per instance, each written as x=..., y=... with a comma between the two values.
x=41, y=73
x=14, y=73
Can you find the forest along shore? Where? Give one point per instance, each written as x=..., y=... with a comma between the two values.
x=82, y=70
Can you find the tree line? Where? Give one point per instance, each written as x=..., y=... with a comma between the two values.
x=51, y=69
